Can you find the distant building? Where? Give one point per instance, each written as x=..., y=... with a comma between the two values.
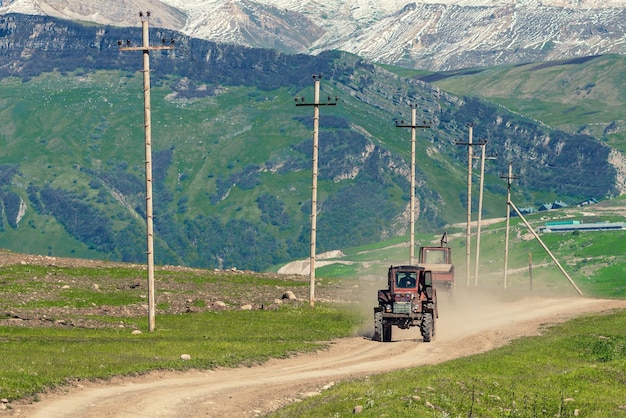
x=545, y=206
x=559, y=223
x=571, y=226
x=555, y=205
x=590, y=201
x=523, y=211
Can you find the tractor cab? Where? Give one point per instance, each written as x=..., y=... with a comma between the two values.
x=406, y=279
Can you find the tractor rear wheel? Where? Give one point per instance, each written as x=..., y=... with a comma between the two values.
x=378, y=327
x=427, y=326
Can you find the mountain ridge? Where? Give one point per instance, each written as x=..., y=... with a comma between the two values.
x=432, y=35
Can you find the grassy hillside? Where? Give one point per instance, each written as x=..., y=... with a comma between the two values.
x=577, y=95
x=237, y=157
x=240, y=155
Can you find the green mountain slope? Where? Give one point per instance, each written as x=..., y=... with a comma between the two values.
x=585, y=95
x=232, y=152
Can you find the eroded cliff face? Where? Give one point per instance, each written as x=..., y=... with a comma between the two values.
x=618, y=161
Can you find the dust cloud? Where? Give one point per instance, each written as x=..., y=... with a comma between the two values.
x=467, y=310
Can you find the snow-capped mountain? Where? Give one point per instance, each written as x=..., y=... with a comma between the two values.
x=436, y=35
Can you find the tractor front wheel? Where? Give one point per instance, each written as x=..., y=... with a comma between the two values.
x=386, y=333
x=426, y=327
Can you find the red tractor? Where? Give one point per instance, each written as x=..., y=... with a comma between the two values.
x=409, y=301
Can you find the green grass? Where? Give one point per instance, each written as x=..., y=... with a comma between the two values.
x=337, y=270
x=574, y=369
x=35, y=359
x=59, y=324
x=65, y=287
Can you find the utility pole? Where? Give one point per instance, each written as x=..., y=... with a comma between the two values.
x=146, y=48
x=508, y=178
x=530, y=270
x=413, y=127
x=483, y=145
x=316, y=116
x=468, y=144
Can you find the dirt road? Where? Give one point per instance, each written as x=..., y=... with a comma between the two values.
x=249, y=392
